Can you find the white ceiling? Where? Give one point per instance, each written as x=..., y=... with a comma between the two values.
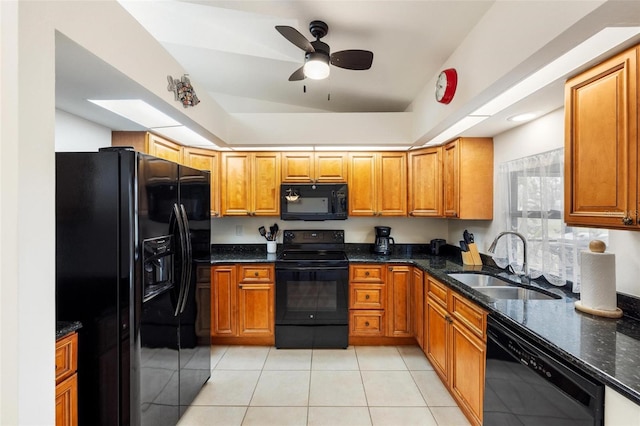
x=233, y=52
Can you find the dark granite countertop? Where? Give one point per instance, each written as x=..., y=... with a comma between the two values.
x=66, y=327
x=609, y=349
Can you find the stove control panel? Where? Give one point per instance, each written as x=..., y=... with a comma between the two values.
x=313, y=236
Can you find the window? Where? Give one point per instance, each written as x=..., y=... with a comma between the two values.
x=531, y=198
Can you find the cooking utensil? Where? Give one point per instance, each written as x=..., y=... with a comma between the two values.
x=263, y=232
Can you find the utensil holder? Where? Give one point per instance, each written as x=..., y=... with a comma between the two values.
x=272, y=246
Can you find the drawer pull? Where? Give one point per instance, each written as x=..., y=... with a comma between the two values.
x=367, y=297
x=366, y=324
x=627, y=220
x=256, y=273
x=366, y=274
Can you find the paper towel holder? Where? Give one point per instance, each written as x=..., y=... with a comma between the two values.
x=597, y=246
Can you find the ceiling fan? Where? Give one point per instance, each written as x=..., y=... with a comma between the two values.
x=318, y=55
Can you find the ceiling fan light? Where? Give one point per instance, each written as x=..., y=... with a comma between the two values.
x=316, y=67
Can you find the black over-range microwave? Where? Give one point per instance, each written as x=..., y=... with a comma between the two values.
x=320, y=201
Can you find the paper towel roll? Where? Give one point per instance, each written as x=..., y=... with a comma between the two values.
x=598, y=280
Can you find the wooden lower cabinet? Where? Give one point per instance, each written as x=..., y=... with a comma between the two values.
x=367, y=300
x=399, y=280
x=203, y=299
x=417, y=306
x=67, y=380
x=380, y=304
x=455, y=344
x=242, y=304
x=466, y=375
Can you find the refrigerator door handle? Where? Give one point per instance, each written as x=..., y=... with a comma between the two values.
x=183, y=259
x=185, y=224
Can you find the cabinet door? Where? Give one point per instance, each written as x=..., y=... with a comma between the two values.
x=451, y=179
x=467, y=370
x=256, y=303
x=298, y=167
x=392, y=184
x=330, y=167
x=205, y=159
x=417, y=305
x=362, y=184
x=164, y=148
x=601, y=137
x=223, y=301
x=399, y=304
x=425, y=182
x=468, y=178
x=67, y=402
x=436, y=338
x=235, y=185
x=266, y=184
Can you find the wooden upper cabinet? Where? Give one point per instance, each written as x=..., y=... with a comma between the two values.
x=206, y=159
x=318, y=167
x=148, y=143
x=425, y=182
x=601, y=144
x=331, y=167
x=298, y=167
x=250, y=184
x=468, y=178
x=378, y=184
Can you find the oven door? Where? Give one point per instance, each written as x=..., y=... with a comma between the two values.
x=312, y=295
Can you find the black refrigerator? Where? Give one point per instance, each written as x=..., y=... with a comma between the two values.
x=130, y=230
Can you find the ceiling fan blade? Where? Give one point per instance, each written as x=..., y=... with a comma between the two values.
x=297, y=75
x=295, y=37
x=352, y=59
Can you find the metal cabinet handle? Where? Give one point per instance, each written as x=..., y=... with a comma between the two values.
x=366, y=273
x=366, y=296
x=256, y=274
x=627, y=220
x=366, y=324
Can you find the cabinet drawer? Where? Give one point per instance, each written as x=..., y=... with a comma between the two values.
x=367, y=323
x=367, y=273
x=66, y=356
x=256, y=273
x=474, y=318
x=367, y=296
x=437, y=292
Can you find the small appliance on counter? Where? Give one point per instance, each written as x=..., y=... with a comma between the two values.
x=436, y=245
x=384, y=242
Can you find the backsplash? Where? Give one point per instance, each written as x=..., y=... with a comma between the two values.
x=244, y=230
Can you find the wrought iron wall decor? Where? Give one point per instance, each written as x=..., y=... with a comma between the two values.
x=183, y=90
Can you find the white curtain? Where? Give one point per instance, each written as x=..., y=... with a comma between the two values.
x=531, y=202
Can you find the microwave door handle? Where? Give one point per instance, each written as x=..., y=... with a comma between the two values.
x=183, y=257
x=189, y=253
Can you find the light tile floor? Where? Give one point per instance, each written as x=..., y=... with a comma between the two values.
x=361, y=385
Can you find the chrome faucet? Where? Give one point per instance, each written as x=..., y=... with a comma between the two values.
x=492, y=249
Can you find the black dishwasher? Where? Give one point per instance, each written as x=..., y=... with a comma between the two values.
x=526, y=386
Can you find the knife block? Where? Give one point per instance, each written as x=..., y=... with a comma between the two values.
x=471, y=257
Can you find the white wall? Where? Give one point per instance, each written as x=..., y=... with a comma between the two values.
x=357, y=230
x=77, y=134
x=541, y=135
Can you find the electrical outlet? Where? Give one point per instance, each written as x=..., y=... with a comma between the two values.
x=238, y=230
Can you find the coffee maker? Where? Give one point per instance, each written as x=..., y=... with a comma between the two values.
x=383, y=242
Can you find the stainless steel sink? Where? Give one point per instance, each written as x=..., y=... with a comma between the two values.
x=511, y=292
x=501, y=288
x=479, y=280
